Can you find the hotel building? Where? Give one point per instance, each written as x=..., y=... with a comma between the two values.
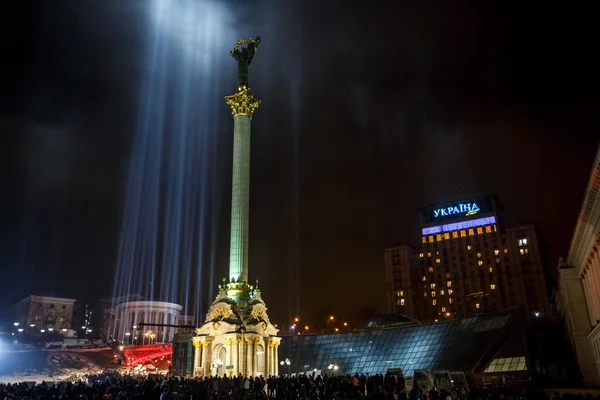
x=468, y=264
x=578, y=294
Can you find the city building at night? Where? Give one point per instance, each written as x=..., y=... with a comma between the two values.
x=46, y=313
x=469, y=264
x=158, y=319
x=578, y=294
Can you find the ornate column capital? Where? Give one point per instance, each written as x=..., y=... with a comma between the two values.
x=252, y=340
x=242, y=102
x=232, y=340
x=199, y=342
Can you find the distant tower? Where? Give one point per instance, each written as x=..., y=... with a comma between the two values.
x=237, y=336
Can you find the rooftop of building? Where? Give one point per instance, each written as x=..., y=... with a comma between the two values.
x=385, y=321
x=47, y=298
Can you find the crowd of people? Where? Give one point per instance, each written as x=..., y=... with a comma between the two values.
x=111, y=386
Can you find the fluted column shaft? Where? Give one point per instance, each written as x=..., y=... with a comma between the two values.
x=240, y=195
x=197, y=357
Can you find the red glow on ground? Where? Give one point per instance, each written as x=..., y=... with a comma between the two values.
x=135, y=355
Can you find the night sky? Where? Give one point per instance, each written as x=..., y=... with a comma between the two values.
x=370, y=110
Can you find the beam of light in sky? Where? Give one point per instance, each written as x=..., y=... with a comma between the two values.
x=167, y=241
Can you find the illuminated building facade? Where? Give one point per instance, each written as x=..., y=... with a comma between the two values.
x=467, y=265
x=578, y=294
x=120, y=318
x=45, y=313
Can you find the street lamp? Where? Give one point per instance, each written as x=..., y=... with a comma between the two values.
x=20, y=330
x=16, y=324
x=127, y=334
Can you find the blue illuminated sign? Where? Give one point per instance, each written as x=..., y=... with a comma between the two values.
x=460, y=209
x=432, y=230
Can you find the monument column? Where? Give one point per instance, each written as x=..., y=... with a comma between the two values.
x=198, y=350
x=267, y=358
x=275, y=355
x=242, y=106
x=206, y=355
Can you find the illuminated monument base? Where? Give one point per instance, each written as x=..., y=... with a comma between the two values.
x=237, y=337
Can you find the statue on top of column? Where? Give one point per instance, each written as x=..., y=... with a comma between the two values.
x=244, y=56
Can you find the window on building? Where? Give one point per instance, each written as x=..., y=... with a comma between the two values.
x=449, y=292
x=478, y=255
x=469, y=247
x=442, y=292
x=492, y=286
x=420, y=255
x=424, y=239
x=433, y=285
x=476, y=305
x=505, y=251
x=488, y=229
x=480, y=263
x=430, y=238
x=424, y=279
x=449, y=300
x=434, y=302
x=455, y=235
x=446, y=236
x=491, y=269
x=479, y=230
x=401, y=302
x=431, y=269
x=471, y=232
x=51, y=305
x=523, y=242
x=425, y=294
x=496, y=252
x=463, y=233
x=399, y=293
x=437, y=261
x=443, y=309
x=428, y=254
x=438, y=237
x=497, y=260
x=523, y=251
x=449, y=284
x=433, y=294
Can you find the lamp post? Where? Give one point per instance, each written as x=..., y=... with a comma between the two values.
x=127, y=335
x=288, y=363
